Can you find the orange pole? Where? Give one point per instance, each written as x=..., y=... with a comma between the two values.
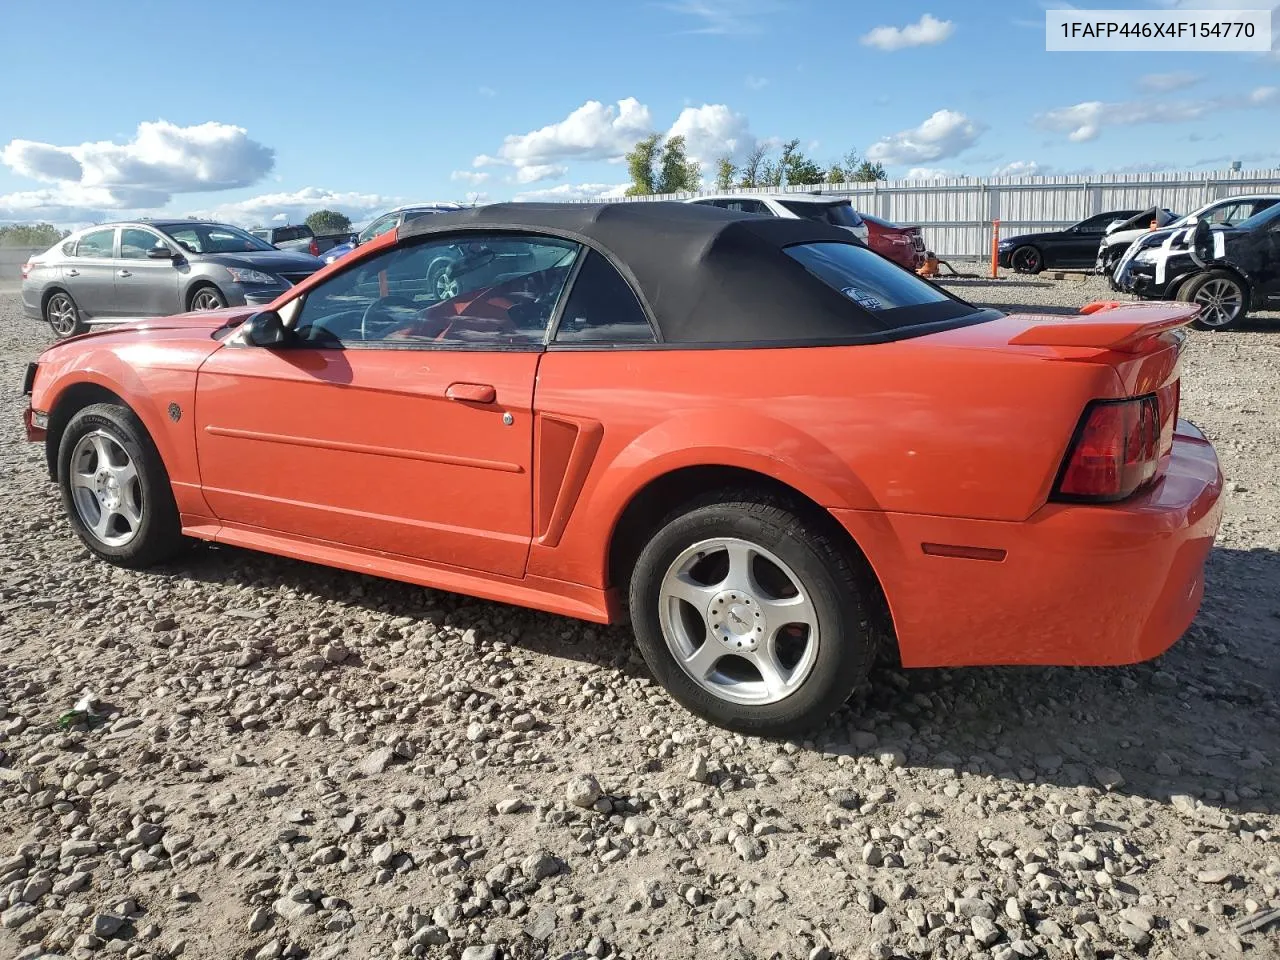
x=995, y=248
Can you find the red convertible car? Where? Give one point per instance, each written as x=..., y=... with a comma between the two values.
x=769, y=448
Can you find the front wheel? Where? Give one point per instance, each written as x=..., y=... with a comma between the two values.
x=208, y=298
x=63, y=316
x=751, y=616
x=115, y=489
x=1027, y=259
x=1222, y=298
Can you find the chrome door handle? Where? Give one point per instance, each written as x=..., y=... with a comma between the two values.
x=124, y=273
x=73, y=273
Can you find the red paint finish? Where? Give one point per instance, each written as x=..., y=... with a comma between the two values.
x=504, y=474
x=902, y=245
x=367, y=448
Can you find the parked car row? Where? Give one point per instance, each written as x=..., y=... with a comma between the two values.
x=1223, y=255
x=768, y=450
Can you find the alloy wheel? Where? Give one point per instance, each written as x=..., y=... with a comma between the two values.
x=106, y=489
x=206, y=300
x=1220, y=301
x=738, y=621
x=62, y=315
x=1026, y=260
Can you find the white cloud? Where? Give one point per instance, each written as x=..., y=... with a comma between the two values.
x=1168, y=82
x=487, y=92
x=756, y=83
x=1085, y=121
x=1022, y=168
x=712, y=130
x=930, y=173
x=296, y=204
x=926, y=31
x=594, y=131
x=540, y=171
x=724, y=17
x=161, y=160
x=945, y=134
x=47, y=206
x=577, y=191
x=472, y=177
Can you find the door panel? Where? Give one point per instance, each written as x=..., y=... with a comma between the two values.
x=364, y=447
x=89, y=276
x=144, y=287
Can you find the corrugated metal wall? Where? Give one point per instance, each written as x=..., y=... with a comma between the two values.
x=956, y=214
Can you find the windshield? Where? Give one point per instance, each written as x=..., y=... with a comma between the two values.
x=1261, y=218
x=836, y=214
x=215, y=238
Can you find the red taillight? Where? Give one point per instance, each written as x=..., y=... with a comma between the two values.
x=1115, y=452
x=27, y=268
x=313, y=248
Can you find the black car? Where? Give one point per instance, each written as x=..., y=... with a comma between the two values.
x=1227, y=270
x=1076, y=246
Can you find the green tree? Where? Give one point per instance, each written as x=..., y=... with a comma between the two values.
x=30, y=235
x=677, y=173
x=725, y=172
x=753, y=168
x=868, y=171
x=798, y=169
x=640, y=162
x=328, y=221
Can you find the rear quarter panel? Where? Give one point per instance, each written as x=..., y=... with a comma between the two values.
x=942, y=425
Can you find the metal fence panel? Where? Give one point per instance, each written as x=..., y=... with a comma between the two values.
x=956, y=214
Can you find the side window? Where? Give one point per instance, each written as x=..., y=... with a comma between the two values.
x=69, y=248
x=135, y=243
x=602, y=308
x=97, y=243
x=1228, y=214
x=475, y=290
x=378, y=228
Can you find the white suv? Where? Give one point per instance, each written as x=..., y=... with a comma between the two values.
x=837, y=211
x=1226, y=212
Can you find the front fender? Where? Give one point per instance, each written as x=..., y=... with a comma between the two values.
x=156, y=381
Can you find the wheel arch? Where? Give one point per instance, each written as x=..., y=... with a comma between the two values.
x=665, y=494
x=1226, y=266
x=195, y=286
x=69, y=402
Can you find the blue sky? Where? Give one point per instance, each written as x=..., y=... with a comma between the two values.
x=263, y=111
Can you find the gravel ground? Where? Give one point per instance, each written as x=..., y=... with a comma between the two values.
x=289, y=761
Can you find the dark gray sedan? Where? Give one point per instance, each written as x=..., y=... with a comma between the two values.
x=153, y=268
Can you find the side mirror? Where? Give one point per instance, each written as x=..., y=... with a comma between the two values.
x=266, y=329
x=1202, y=241
x=160, y=253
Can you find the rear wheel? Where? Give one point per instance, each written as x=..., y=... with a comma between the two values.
x=63, y=316
x=1027, y=259
x=751, y=616
x=1222, y=298
x=207, y=298
x=115, y=489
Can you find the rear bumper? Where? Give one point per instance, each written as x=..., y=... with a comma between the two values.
x=1077, y=585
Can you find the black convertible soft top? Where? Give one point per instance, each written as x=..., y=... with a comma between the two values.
x=708, y=275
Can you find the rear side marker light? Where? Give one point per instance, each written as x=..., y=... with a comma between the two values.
x=994, y=554
x=1114, y=453
x=27, y=268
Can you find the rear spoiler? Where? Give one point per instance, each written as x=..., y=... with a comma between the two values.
x=1124, y=328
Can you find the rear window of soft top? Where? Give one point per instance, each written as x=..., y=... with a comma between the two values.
x=893, y=297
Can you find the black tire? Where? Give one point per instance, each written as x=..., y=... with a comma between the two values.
x=158, y=535
x=206, y=297
x=1027, y=259
x=63, y=316
x=1214, y=290
x=847, y=641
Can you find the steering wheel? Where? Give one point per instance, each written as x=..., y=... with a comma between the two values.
x=379, y=305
